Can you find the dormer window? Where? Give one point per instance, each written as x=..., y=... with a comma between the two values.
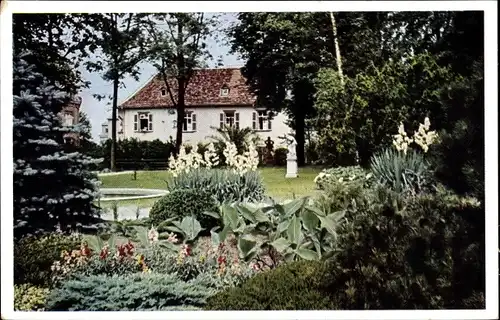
x=224, y=91
x=163, y=92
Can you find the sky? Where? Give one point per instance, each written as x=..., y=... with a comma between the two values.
x=99, y=111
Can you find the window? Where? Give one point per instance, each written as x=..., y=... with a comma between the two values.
x=230, y=119
x=261, y=121
x=189, y=122
x=163, y=92
x=106, y=130
x=68, y=119
x=143, y=122
x=224, y=91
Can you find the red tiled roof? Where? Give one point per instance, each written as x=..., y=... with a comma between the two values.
x=203, y=90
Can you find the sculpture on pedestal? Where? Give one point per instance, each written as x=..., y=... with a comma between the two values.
x=291, y=159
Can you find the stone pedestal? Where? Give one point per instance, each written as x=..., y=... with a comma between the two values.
x=291, y=167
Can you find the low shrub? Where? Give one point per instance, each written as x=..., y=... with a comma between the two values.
x=144, y=292
x=423, y=252
x=34, y=255
x=404, y=173
x=280, y=155
x=181, y=203
x=29, y=298
x=294, y=286
x=345, y=175
x=223, y=185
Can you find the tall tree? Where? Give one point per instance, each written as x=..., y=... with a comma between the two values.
x=283, y=52
x=178, y=45
x=44, y=81
x=121, y=41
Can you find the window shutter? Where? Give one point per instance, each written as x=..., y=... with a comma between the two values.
x=221, y=120
x=269, y=125
x=193, y=121
x=254, y=121
x=237, y=120
x=150, y=122
x=136, y=124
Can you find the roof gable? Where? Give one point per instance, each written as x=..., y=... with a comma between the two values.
x=204, y=89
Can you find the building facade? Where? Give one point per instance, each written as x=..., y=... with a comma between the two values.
x=70, y=116
x=214, y=98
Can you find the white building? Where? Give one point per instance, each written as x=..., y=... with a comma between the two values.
x=214, y=97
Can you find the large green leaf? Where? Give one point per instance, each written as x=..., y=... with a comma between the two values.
x=317, y=245
x=191, y=227
x=292, y=207
x=329, y=224
x=260, y=216
x=212, y=214
x=316, y=211
x=215, y=237
x=293, y=231
x=310, y=220
x=246, y=213
x=306, y=254
x=241, y=226
x=231, y=216
x=283, y=226
x=280, y=244
x=174, y=229
x=246, y=247
x=224, y=232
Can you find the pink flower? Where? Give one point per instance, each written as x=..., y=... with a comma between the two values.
x=255, y=266
x=172, y=238
x=153, y=235
x=186, y=250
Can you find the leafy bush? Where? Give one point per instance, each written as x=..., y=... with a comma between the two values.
x=424, y=252
x=294, y=230
x=405, y=173
x=144, y=292
x=224, y=185
x=181, y=203
x=29, y=298
x=33, y=257
x=295, y=286
x=344, y=175
x=280, y=156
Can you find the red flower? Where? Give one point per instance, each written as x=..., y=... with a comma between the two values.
x=104, y=252
x=221, y=260
x=85, y=250
x=186, y=250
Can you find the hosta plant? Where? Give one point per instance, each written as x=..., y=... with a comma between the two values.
x=291, y=231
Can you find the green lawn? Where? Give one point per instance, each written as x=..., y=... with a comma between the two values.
x=277, y=185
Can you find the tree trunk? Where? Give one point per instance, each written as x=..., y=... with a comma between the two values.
x=337, y=48
x=300, y=132
x=113, y=124
x=180, y=114
x=181, y=91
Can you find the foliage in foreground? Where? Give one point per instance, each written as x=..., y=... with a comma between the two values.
x=425, y=252
x=29, y=298
x=33, y=257
x=224, y=185
x=144, y=292
x=294, y=286
x=182, y=203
